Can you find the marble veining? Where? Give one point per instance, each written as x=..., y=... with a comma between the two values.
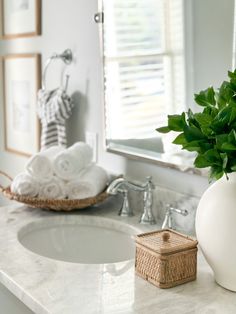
x=56, y=287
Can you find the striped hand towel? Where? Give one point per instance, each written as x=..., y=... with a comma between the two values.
x=54, y=107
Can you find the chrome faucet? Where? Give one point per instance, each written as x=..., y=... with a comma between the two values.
x=168, y=221
x=120, y=185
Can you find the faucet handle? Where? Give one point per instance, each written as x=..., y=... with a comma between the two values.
x=168, y=221
x=180, y=211
x=147, y=216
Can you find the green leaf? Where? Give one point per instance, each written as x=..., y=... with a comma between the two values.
x=224, y=95
x=228, y=147
x=220, y=123
x=224, y=158
x=192, y=146
x=201, y=162
x=232, y=114
x=212, y=111
x=191, y=119
x=206, y=97
x=164, y=129
x=210, y=158
x=233, y=168
x=180, y=139
x=225, y=114
x=213, y=156
x=205, y=145
x=204, y=120
x=232, y=137
x=232, y=75
x=176, y=122
x=220, y=140
x=192, y=133
x=216, y=173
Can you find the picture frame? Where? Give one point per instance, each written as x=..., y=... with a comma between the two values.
x=20, y=18
x=21, y=82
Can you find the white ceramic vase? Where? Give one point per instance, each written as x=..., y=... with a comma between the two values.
x=216, y=229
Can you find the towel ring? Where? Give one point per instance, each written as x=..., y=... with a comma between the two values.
x=66, y=57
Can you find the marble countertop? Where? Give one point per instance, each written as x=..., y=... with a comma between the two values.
x=49, y=286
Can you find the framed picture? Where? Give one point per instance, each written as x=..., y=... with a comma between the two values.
x=21, y=82
x=20, y=18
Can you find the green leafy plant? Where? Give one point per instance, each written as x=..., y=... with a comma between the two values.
x=212, y=132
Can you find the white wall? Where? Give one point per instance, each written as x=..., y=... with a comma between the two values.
x=69, y=24
x=213, y=41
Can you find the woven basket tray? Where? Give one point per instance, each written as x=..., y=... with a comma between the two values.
x=56, y=205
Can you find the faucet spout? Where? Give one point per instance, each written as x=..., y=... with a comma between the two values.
x=119, y=186
x=115, y=185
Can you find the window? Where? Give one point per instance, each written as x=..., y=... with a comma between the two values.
x=144, y=65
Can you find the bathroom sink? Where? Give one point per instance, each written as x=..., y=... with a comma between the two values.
x=80, y=239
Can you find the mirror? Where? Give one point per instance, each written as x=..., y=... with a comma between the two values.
x=157, y=54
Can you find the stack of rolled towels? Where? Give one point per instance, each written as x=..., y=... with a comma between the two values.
x=59, y=173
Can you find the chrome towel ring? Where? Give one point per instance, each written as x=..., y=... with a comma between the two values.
x=66, y=57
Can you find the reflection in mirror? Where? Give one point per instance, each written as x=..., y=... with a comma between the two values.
x=156, y=55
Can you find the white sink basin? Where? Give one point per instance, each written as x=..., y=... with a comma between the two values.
x=80, y=239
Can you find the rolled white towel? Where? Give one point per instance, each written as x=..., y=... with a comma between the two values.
x=68, y=164
x=25, y=184
x=84, y=151
x=53, y=189
x=92, y=182
x=40, y=164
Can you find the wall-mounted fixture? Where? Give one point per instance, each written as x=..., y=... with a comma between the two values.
x=66, y=56
x=99, y=17
x=54, y=106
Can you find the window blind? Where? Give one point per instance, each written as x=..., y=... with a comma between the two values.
x=143, y=65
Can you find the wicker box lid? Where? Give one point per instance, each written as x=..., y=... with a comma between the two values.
x=166, y=241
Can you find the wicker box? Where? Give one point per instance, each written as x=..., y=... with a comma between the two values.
x=166, y=258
